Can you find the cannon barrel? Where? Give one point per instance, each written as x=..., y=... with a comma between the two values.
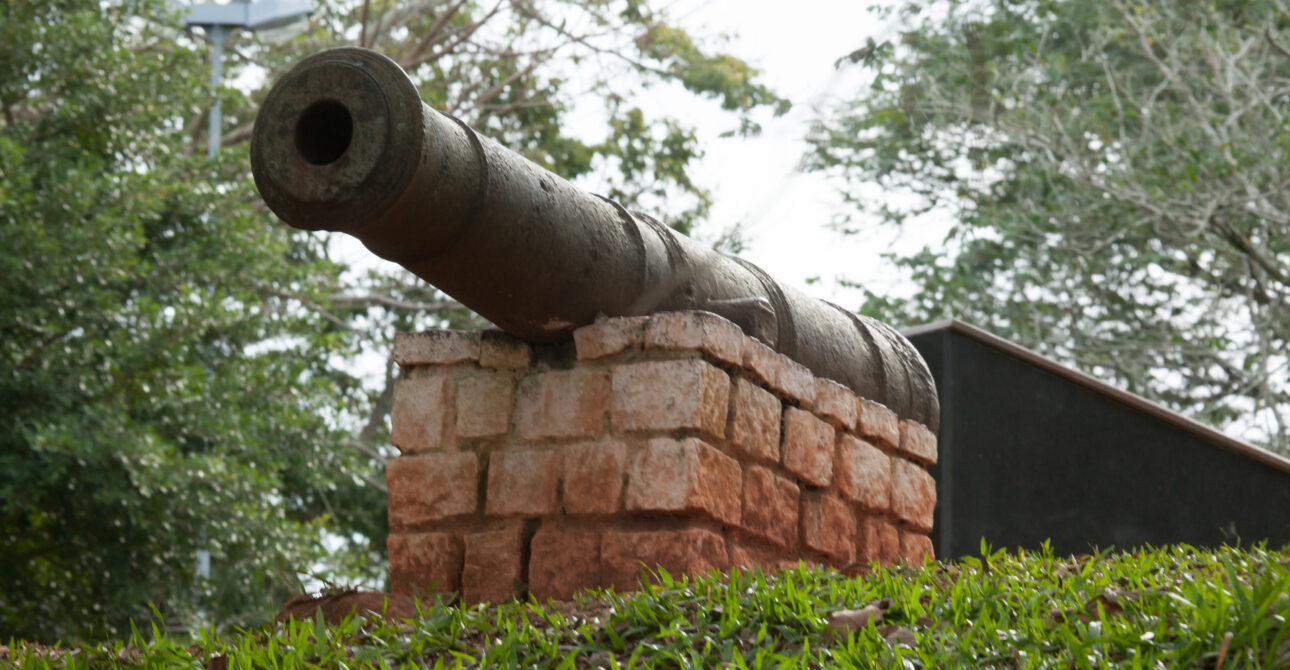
x=343, y=142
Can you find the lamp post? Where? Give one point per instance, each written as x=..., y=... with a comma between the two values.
x=219, y=20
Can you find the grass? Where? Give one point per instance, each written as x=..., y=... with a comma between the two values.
x=1163, y=608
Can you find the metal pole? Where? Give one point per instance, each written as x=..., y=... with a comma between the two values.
x=217, y=35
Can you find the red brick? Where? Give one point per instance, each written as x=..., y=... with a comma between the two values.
x=917, y=442
x=770, y=506
x=419, y=416
x=808, y=447
x=494, y=564
x=746, y=554
x=562, y=404
x=431, y=487
x=754, y=423
x=862, y=473
x=681, y=477
x=670, y=395
x=501, y=351
x=424, y=563
x=878, y=541
x=484, y=405
x=593, y=477
x=828, y=525
x=702, y=331
x=522, y=483
x=780, y=373
x=691, y=551
x=562, y=562
x=609, y=336
x=797, y=382
x=761, y=361
x=915, y=548
x=436, y=347
x=835, y=403
x=913, y=495
x=877, y=423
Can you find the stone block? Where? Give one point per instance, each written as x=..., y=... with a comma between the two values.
x=494, y=564
x=877, y=424
x=797, y=382
x=431, y=487
x=828, y=525
x=609, y=336
x=593, y=477
x=684, y=477
x=562, y=404
x=436, y=347
x=687, y=394
x=701, y=331
x=424, y=563
x=915, y=548
x=503, y=352
x=522, y=483
x=754, y=422
x=761, y=361
x=562, y=562
x=835, y=403
x=484, y=405
x=808, y=447
x=879, y=540
x=770, y=506
x=917, y=442
x=690, y=551
x=746, y=553
x=419, y=415
x=781, y=373
x=913, y=495
x=862, y=473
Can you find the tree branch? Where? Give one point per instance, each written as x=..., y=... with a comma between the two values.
x=372, y=299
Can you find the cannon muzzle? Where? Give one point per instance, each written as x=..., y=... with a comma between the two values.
x=343, y=142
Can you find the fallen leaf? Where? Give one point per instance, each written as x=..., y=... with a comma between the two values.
x=897, y=635
x=336, y=606
x=1222, y=650
x=846, y=622
x=1107, y=601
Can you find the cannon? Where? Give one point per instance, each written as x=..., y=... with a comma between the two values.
x=343, y=142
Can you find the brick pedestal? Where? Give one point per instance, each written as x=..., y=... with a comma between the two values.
x=671, y=440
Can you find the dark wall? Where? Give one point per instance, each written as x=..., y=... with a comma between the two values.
x=1027, y=455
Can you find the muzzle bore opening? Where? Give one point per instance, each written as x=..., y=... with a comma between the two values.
x=323, y=132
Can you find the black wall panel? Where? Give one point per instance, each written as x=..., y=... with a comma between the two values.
x=1027, y=455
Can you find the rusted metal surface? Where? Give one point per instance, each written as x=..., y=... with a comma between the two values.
x=344, y=143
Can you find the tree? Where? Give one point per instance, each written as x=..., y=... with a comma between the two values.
x=172, y=361
x=1115, y=173
x=155, y=401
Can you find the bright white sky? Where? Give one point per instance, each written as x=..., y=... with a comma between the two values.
x=786, y=213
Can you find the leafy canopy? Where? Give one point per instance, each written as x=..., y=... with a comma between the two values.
x=156, y=401
x=1115, y=173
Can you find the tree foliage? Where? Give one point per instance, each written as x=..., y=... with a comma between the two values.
x=174, y=364
x=157, y=399
x=1115, y=172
